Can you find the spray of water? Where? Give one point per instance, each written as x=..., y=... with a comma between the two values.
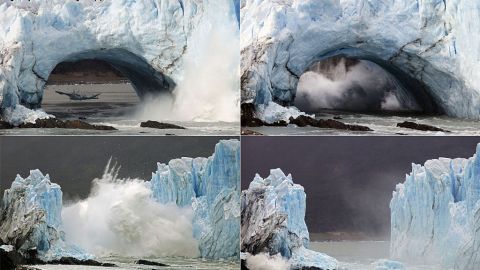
x=264, y=261
x=120, y=217
x=208, y=89
x=355, y=85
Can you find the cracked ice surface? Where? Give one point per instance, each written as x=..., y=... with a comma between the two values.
x=273, y=221
x=212, y=186
x=32, y=218
x=435, y=42
x=435, y=213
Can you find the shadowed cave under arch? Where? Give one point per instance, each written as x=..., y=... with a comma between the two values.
x=418, y=89
x=144, y=79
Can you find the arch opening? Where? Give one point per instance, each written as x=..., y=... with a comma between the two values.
x=350, y=79
x=101, y=82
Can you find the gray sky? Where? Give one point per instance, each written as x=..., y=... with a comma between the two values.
x=348, y=180
x=73, y=162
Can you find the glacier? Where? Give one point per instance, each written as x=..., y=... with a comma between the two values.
x=145, y=40
x=31, y=219
x=435, y=214
x=212, y=186
x=273, y=222
x=31, y=215
x=431, y=46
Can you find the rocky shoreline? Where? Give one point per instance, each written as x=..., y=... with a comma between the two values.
x=13, y=260
x=249, y=119
x=56, y=123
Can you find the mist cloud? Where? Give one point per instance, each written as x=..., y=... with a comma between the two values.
x=356, y=85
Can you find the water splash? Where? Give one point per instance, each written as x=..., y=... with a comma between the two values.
x=208, y=89
x=120, y=217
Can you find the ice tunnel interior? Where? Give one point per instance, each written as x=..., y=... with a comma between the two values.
x=351, y=79
x=144, y=79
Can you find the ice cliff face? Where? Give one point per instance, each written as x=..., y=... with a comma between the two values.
x=435, y=214
x=273, y=221
x=212, y=186
x=430, y=46
x=145, y=40
x=31, y=219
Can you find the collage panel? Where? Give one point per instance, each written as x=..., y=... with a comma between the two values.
x=143, y=67
x=355, y=67
x=347, y=203
x=120, y=202
x=240, y=134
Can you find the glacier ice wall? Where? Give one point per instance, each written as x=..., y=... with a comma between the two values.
x=435, y=213
x=31, y=219
x=273, y=221
x=433, y=43
x=145, y=40
x=212, y=186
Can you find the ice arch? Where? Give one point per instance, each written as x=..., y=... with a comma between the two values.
x=145, y=40
x=430, y=44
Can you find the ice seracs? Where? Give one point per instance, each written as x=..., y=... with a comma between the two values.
x=31, y=219
x=431, y=42
x=435, y=213
x=273, y=222
x=212, y=186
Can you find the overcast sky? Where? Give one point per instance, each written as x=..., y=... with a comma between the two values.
x=348, y=180
x=73, y=162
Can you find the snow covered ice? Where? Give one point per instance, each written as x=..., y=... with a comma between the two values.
x=210, y=186
x=273, y=222
x=435, y=214
x=434, y=42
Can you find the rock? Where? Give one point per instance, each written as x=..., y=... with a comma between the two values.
x=145, y=262
x=250, y=132
x=68, y=124
x=243, y=264
x=5, y=125
x=77, y=124
x=9, y=259
x=158, y=125
x=412, y=125
x=74, y=261
x=337, y=118
x=248, y=118
x=303, y=121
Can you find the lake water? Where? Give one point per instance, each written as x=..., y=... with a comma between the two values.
x=359, y=255
x=115, y=107
x=128, y=263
